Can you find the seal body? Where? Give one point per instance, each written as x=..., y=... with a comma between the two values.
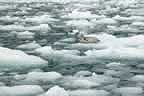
x=88, y=40
x=80, y=38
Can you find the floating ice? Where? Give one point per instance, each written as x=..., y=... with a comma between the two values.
x=25, y=35
x=56, y=91
x=137, y=78
x=129, y=90
x=88, y=93
x=43, y=76
x=15, y=60
x=80, y=15
x=23, y=90
x=44, y=19
x=121, y=54
x=28, y=46
x=107, y=21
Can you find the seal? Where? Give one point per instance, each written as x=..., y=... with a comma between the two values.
x=80, y=38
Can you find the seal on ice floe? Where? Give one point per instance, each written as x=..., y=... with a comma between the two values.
x=80, y=38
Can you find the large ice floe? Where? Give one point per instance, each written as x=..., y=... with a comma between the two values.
x=109, y=48
x=89, y=92
x=71, y=82
x=15, y=60
x=121, y=54
x=43, y=76
x=56, y=91
x=63, y=57
x=127, y=91
x=24, y=90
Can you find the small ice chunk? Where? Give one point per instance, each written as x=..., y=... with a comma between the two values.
x=56, y=91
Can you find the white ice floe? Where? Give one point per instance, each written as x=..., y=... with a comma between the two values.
x=106, y=21
x=43, y=76
x=109, y=48
x=67, y=57
x=88, y=93
x=56, y=91
x=113, y=73
x=9, y=19
x=133, y=41
x=23, y=90
x=2, y=84
x=73, y=82
x=84, y=84
x=12, y=28
x=137, y=78
x=129, y=91
x=126, y=3
x=47, y=51
x=68, y=40
x=126, y=29
x=123, y=19
x=106, y=40
x=117, y=54
x=102, y=79
x=114, y=64
x=138, y=24
x=83, y=47
x=112, y=41
x=15, y=60
x=28, y=46
x=42, y=28
x=117, y=66
x=44, y=19
x=19, y=77
x=137, y=18
x=80, y=15
x=83, y=73
x=82, y=25
x=25, y=35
